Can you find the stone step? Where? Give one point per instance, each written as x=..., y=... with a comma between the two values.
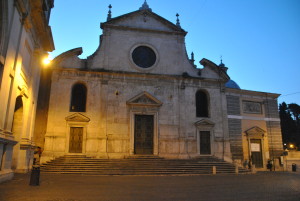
x=132, y=167
x=134, y=161
x=141, y=172
x=136, y=165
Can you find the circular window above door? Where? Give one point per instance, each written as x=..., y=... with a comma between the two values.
x=143, y=56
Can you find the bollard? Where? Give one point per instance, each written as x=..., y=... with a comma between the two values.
x=236, y=169
x=294, y=167
x=214, y=169
x=253, y=170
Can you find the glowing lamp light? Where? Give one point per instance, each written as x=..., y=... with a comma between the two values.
x=292, y=146
x=46, y=61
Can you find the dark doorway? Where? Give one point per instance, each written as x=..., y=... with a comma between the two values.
x=205, y=142
x=256, y=153
x=143, y=134
x=76, y=135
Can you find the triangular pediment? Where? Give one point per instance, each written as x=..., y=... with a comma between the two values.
x=77, y=117
x=255, y=131
x=144, y=99
x=204, y=123
x=143, y=19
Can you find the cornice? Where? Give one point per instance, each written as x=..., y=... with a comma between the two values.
x=252, y=93
x=136, y=74
x=21, y=7
x=40, y=25
x=145, y=13
x=119, y=27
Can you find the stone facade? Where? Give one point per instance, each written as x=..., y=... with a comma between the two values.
x=139, y=93
x=254, y=127
x=25, y=38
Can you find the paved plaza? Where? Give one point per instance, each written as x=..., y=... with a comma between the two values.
x=261, y=186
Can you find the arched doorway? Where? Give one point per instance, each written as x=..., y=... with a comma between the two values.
x=17, y=128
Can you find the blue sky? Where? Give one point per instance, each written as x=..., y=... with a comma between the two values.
x=259, y=40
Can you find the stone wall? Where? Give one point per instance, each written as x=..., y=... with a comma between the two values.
x=109, y=133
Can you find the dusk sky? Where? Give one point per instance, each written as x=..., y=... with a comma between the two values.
x=259, y=40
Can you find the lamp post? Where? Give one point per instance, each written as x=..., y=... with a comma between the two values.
x=35, y=172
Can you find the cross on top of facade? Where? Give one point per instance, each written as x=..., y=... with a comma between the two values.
x=145, y=6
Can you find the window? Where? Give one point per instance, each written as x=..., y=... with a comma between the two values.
x=201, y=104
x=78, y=98
x=144, y=57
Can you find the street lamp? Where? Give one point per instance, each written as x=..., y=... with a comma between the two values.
x=46, y=60
x=291, y=146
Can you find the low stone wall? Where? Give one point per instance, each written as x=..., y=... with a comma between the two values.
x=293, y=157
x=290, y=162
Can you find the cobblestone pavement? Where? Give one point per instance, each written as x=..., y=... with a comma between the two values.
x=261, y=186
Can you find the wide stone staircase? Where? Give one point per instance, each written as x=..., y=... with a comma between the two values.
x=138, y=165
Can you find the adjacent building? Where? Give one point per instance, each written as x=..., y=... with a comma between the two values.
x=25, y=38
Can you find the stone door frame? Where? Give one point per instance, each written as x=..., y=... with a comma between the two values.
x=144, y=104
x=155, y=129
x=205, y=125
x=70, y=125
x=261, y=151
x=72, y=132
x=80, y=121
x=257, y=133
x=143, y=149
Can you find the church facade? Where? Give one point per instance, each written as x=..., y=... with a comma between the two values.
x=140, y=94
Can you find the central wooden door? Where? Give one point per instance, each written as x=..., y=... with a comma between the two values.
x=256, y=153
x=205, y=142
x=143, y=134
x=76, y=135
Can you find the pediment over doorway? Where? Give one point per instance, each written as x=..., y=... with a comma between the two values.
x=77, y=117
x=255, y=131
x=144, y=99
x=204, y=123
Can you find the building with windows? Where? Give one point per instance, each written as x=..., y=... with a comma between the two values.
x=25, y=38
x=140, y=94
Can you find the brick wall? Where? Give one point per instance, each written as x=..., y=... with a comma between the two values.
x=271, y=109
x=235, y=135
x=274, y=138
x=233, y=105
